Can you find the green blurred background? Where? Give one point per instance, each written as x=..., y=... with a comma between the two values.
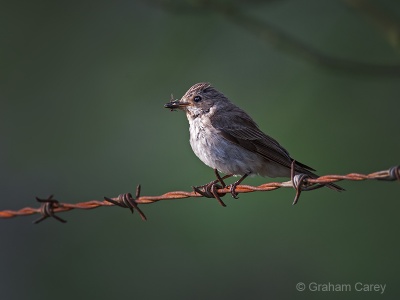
x=82, y=88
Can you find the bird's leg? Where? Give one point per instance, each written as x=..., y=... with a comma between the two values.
x=210, y=189
x=235, y=184
x=221, y=180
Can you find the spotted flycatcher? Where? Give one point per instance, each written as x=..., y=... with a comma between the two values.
x=227, y=139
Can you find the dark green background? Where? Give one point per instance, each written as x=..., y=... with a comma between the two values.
x=82, y=89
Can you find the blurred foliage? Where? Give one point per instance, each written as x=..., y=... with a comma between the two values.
x=82, y=88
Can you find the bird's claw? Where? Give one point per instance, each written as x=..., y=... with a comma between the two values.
x=234, y=185
x=233, y=190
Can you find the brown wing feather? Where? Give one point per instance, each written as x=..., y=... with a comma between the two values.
x=240, y=129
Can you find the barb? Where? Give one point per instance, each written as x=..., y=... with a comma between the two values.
x=50, y=206
x=127, y=201
x=47, y=209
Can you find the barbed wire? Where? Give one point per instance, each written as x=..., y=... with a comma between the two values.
x=49, y=206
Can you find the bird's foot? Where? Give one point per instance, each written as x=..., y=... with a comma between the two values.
x=210, y=190
x=233, y=189
x=234, y=185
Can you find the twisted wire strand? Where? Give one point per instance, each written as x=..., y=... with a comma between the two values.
x=51, y=206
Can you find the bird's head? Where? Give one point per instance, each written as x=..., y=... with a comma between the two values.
x=198, y=100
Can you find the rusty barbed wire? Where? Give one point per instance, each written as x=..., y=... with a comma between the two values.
x=49, y=207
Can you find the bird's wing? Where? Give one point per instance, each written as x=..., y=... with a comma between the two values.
x=240, y=129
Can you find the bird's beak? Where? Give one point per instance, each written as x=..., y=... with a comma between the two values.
x=176, y=104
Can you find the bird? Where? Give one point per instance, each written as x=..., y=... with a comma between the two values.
x=227, y=139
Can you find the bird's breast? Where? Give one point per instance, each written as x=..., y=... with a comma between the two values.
x=217, y=152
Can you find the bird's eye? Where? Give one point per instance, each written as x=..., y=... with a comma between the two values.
x=197, y=98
